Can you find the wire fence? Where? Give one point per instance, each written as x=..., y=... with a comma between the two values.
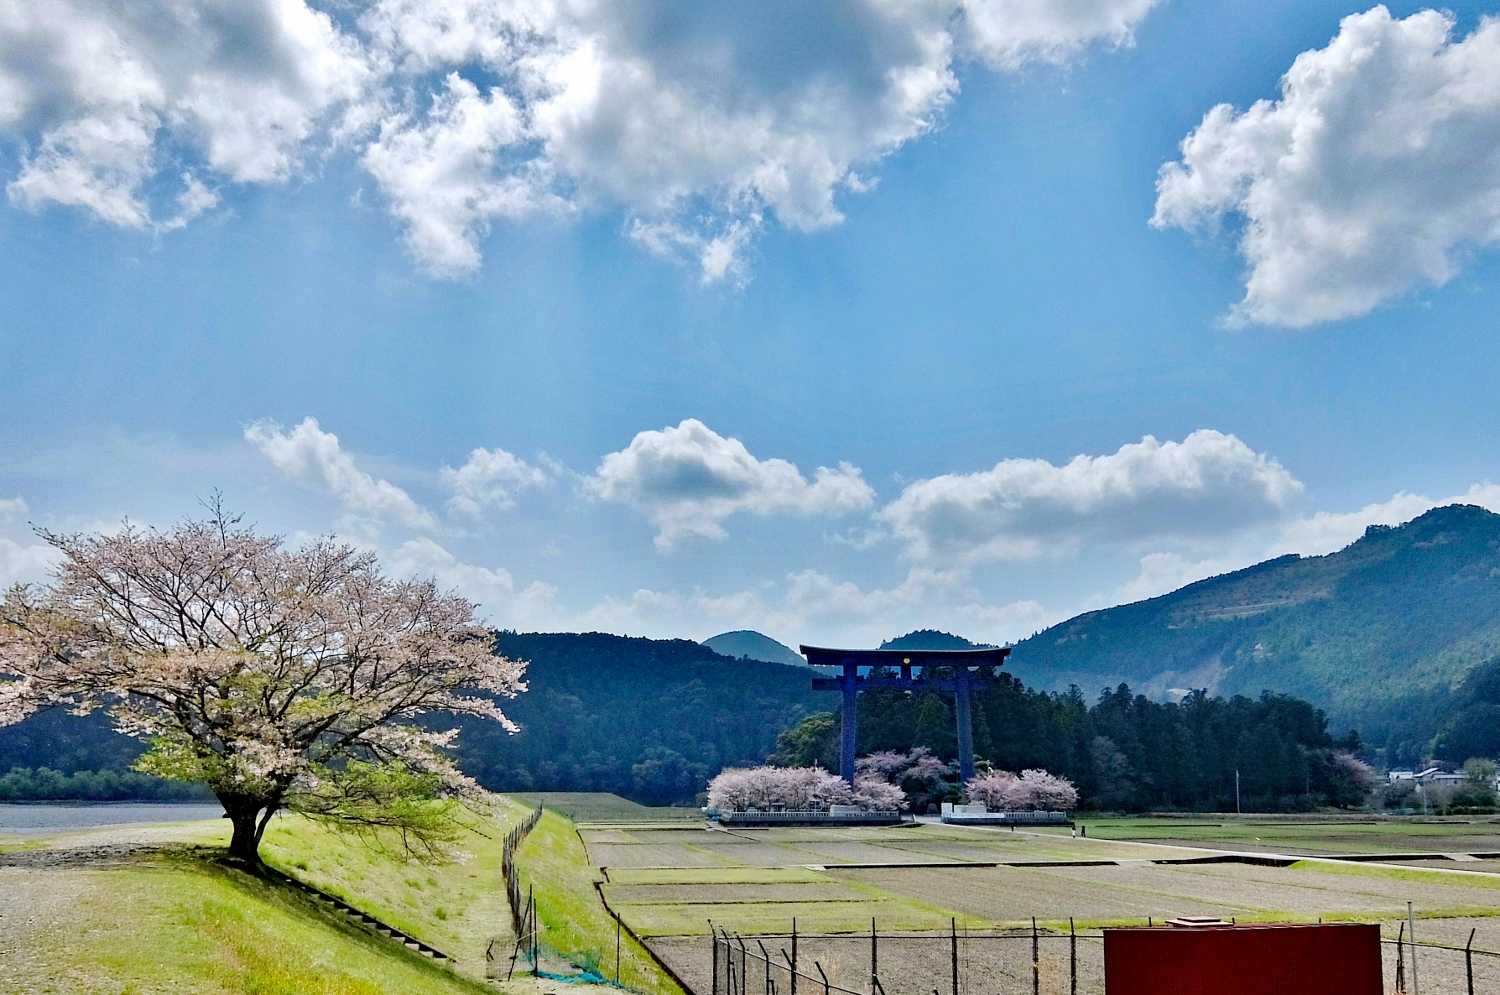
x=1032, y=961
x=512, y=843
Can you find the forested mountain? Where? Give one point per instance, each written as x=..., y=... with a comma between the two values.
x=931, y=639
x=747, y=643
x=651, y=718
x=1378, y=634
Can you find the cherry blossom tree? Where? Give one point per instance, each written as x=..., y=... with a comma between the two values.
x=299, y=680
x=741, y=788
x=1034, y=790
x=991, y=789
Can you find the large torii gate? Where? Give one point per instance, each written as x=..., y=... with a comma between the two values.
x=959, y=671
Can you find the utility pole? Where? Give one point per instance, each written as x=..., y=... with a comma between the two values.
x=1237, y=792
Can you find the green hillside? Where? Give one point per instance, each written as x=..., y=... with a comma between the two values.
x=1377, y=633
x=749, y=644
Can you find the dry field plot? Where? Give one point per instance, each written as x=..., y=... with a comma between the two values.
x=1313, y=838
x=668, y=884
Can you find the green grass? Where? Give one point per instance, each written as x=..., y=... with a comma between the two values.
x=599, y=806
x=715, y=875
x=575, y=922
x=182, y=924
x=457, y=904
x=15, y=844
x=1413, y=875
x=1330, y=834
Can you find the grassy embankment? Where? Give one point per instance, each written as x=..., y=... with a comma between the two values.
x=575, y=923
x=174, y=923
x=180, y=921
x=456, y=905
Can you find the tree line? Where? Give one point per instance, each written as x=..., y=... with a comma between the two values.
x=1124, y=751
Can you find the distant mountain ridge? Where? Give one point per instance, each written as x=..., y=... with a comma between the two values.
x=1369, y=633
x=749, y=644
x=932, y=639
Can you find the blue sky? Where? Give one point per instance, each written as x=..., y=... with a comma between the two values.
x=660, y=315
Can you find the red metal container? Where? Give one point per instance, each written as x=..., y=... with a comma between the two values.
x=1328, y=959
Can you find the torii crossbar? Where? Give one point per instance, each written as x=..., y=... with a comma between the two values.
x=958, y=671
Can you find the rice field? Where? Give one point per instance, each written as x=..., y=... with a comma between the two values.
x=667, y=883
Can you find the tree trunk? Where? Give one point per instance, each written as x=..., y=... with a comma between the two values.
x=243, y=813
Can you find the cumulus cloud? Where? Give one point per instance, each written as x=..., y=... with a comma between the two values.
x=1327, y=532
x=1207, y=484
x=1161, y=573
x=502, y=602
x=701, y=124
x=490, y=480
x=12, y=509
x=110, y=96
x=1315, y=534
x=1371, y=175
x=25, y=563
x=438, y=171
x=688, y=479
x=313, y=456
x=811, y=606
x=1009, y=33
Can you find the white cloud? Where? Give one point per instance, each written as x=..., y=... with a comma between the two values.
x=438, y=172
x=502, y=602
x=1161, y=573
x=1316, y=534
x=810, y=606
x=1327, y=532
x=25, y=564
x=12, y=509
x=109, y=96
x=701, y=125
x=1010, y=33
x=1370, y=176
x=1207, y=484
x=309, y=454
x=688, y=479
x=490, y=479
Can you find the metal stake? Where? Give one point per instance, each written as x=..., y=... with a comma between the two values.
x=1036, y=960
x=1401, y=960
x=1072, y=958
x=794, y=956
x=1469, y=960
x=953, y=934
x=1411, y=932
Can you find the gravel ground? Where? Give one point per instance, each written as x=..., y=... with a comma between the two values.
x=36, y=902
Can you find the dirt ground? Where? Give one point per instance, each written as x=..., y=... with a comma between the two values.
x=1001, y=965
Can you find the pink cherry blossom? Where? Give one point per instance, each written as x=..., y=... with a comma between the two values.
x=300, y=679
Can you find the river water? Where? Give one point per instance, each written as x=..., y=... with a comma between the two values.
x=59, y=816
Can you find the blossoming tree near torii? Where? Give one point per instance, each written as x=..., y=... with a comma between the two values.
x=284, y=679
